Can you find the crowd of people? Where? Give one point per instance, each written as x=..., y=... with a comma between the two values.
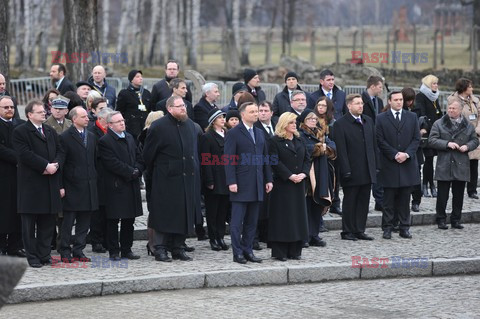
x=268, y=170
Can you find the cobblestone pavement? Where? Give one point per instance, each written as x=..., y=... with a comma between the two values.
x=433, y=297
x=427, y=242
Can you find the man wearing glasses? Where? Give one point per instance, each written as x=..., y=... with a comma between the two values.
x=298, y=102
x=39, y=195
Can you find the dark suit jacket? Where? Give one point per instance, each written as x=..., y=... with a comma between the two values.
x=249, y=177
x=338, y=100
x=356, y=150
x=120, y=156
x=162, y=106
x=161, y=90
x=369, y=108
x=97, y=134
x=37, y=193
x=213, y=173
x=201, y=110
x=66, y=86
x=79, y=175
x=281, y=102
x=394, y=137
x=260, y=126
x=259, y=95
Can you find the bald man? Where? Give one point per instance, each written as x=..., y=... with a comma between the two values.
x=97, y=80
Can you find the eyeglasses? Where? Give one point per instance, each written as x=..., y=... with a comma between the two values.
x=181, y=105
x=299, y=100
x=119, y=121
x=311, y=119
x=322, y=104
x=8, y=107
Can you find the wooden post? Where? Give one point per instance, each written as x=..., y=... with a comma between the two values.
x=414, y=42
x=337, y=51
x=435, y=49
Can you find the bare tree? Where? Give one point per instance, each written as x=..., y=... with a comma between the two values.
x=162, y=34
x=4, y=45
x=180, y=36
x=236, y=22
x=126, y=11
x=19, y=30
x=136, y=27
x=152, y=34
x=249, y=5
x=26, y=36
x=230, y=51
x=80, y=26
x=172, y=29
x=44, y=32
x=105, y=24
x=269, y=35
x=194, y=32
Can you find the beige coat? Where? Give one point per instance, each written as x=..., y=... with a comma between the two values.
x=54, y=124
x=471, y=107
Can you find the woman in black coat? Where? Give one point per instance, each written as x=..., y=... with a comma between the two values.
x=426, y=104
x=288, y=226
x=213, y=179
x=321, y=182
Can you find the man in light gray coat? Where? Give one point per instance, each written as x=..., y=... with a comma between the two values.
x=453, y=137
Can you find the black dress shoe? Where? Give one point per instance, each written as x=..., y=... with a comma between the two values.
x=335, y=210
x=442, y=226
x=396, y=229
x=387, y=234
x=162, y=256
x=415, y=208
x=130, y=255
x=252, y=258
x=363, y=236
x=305, y=244
x=295, y=257
x=349, y=236
x=115, y=257
x=18, y=253
x=181, y=256
x=378, y=207
x=222, y=244
x=239, y=259
x=214, y=246
x=187, y=248
x=405, y=234
x=47, y=262
x=317, y=242
x=457, y=226
x=474, y=196
x=202, y=237
x=256, y=246
x=281, y=258
x=82, y=257
x=66, y=258
x=98, y=248
x=36, y=265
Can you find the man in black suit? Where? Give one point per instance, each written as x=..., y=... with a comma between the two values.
x=122, y=165
x=298, y=101
x=79, y=181
x=161, y=90
x=179, y=88
x=354, y=135
x=372, y=106
x=10, y=222
x=210, y=94
x=281, y=102
x=398, y=137
x=248, y=178
x=39, y=195
x=59, y=80
x=252, y=81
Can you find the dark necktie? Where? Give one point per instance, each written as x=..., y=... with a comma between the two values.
x=397, y=116
x=270, y=132
x=40, y=131
x=359, y=120
x=250, y=130
x=254, y=92
x=375, y=106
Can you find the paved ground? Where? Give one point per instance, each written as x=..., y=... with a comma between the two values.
x=437, y=297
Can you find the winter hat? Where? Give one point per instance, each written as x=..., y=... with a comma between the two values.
x=132, y=74
x=233, y=113
x=238, y=87
x=249, y=74
x=301, y=118
x=213, y=114
x=291, y=74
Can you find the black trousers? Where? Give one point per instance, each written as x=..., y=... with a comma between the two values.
x=82, y=223
x=168, y=242
x=458, y=189
x=428, y=170
x=10, y=243
x=336, y=190
x=216, y=208
x=286, y=249
x=356, y=200
x=396, y=204
x=417, y=192
x=98, y=227
x=126, y=235
x=472, y=185
x=314, y=213
x=37, y=234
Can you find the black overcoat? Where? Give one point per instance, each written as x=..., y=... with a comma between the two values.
x=79, y=174
x=97, y=134
x=128, y=104
x=356, y=150
x=369, y=108
x=394, y=137
x=170, y=152
x=162, y=106
x=425, y=107
x=9, y=219
x=119, y=157
x=213, y=172
x=288, y=209
x=201, y=110
x=37, y=193
x=281, y=101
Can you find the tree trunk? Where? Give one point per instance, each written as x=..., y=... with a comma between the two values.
x=236, y=22
x=19, y=32
x=45, y=18
x=172, y=29
x=126, y=10
x=476, y=18
x=231, y=55
x=162, y=34
x=106, y=24
x=152, y=35
x=247, y=32
x=269, y=35
x=194, y=32
x=80, y=35
x=290, y=24
x=179, y=38
x=26, y=35
x=4, y=45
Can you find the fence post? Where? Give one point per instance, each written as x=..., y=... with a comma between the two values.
x=312, y=47
x=388, y=45
x=435, y=49
x=414, y=42
x=337, y=51
x=442, y=47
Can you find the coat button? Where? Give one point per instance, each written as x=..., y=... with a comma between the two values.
x=184, y=174
x=184, y=158
x=193, y=174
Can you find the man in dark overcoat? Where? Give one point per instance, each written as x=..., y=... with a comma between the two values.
x=398, y=137
x=354, y=135
x=170, y=152
x=122, y=165
x=248, y=177
x=79, y=180
x=39, y=196
x=10, y=222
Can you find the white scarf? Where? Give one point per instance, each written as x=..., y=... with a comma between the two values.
x=432, y=96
